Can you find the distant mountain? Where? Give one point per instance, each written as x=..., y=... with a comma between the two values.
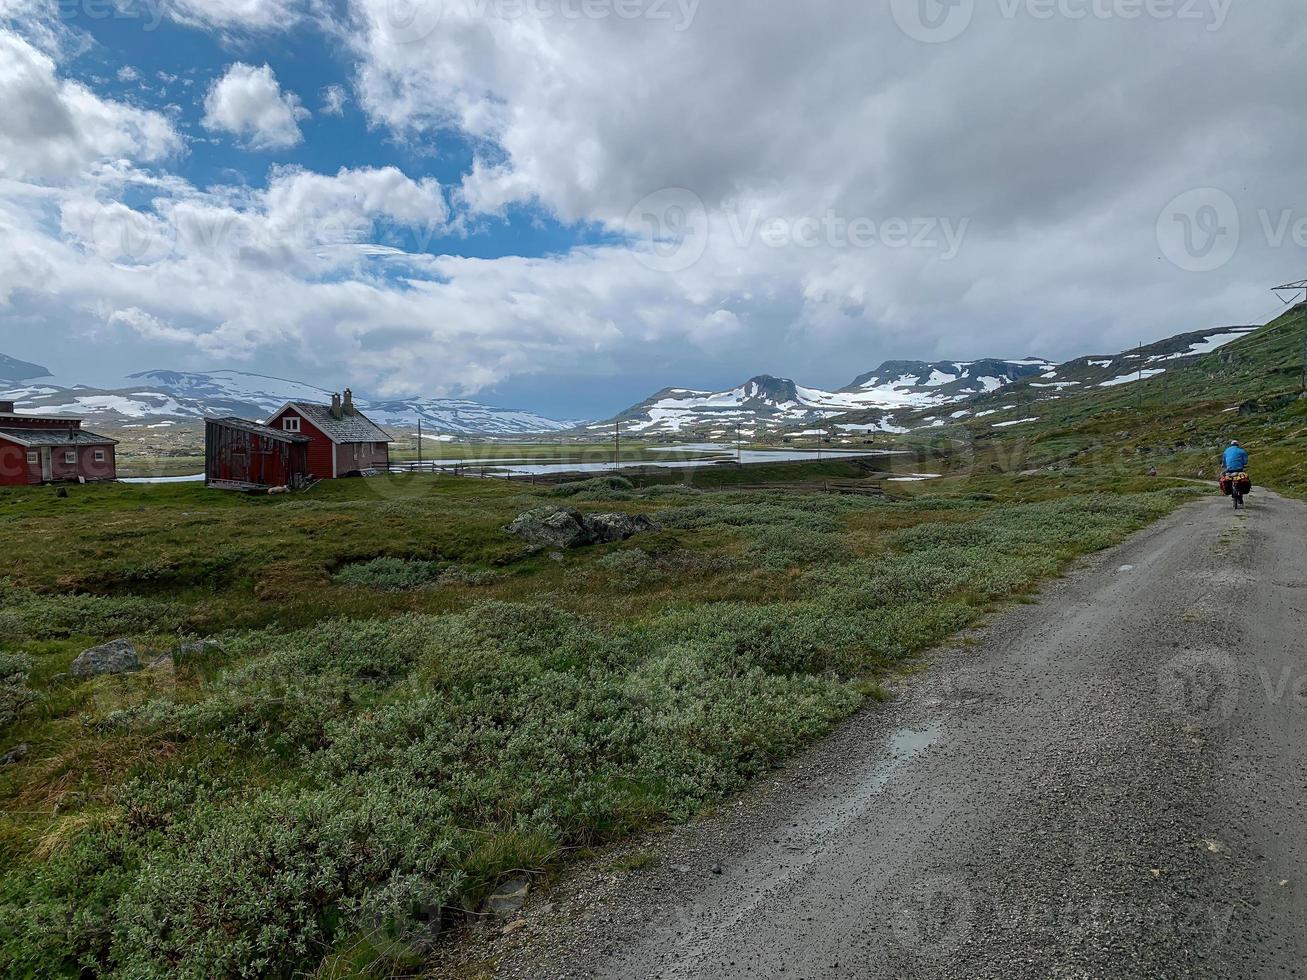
x=160, y=399
x=14, y=371
x=779, y=403
x=918, y=383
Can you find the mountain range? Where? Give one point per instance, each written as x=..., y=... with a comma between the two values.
x=161, y=399
x=766, y=402
x=896, y=397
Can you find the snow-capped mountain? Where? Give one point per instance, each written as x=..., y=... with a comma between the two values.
x=780, y=403
x=14, y=371
x=161, y=398
x=918, y=384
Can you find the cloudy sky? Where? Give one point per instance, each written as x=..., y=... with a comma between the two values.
x=566, y=204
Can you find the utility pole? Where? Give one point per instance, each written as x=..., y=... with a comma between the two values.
x=419, y=444
x=1293, y=289
x=739, y=456
x=617, y=444
x=1141, y=374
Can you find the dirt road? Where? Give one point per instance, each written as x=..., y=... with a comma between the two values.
x=1111, y=782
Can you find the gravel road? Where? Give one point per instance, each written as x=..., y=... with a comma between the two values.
x=1110, y=782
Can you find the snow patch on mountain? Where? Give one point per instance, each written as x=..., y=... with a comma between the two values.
x=159, y=397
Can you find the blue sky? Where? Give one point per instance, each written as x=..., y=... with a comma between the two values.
x=565, y=206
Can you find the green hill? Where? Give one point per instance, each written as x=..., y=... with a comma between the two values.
x=1177, y=421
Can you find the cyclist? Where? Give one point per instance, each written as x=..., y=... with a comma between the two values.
x=1236, y=459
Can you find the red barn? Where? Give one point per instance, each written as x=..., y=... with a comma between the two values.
x=241, y=455
x=342, y=440
x=47, y=449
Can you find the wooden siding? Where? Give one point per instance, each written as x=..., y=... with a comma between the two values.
x=237, y=456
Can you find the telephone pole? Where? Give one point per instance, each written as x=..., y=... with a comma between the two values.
x=419, y=444
x=617, y=445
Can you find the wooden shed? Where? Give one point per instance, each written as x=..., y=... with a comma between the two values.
x=243, y=455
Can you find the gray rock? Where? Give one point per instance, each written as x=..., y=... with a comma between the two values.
x=508, y=898
x=14, y=755
x=618, y=527
x=550, y=528
x=115, y=657
x=566, y=528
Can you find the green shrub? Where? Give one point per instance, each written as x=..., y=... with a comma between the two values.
x=15, y=695
x=599, y=489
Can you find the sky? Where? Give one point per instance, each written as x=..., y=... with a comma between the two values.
x=564, y=205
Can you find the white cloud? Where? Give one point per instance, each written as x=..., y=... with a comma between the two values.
x=333, y=100
x=249, y=103
x=227, y=15
x=128, y=74
x=52, y=128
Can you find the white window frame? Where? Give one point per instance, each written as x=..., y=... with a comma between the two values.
x=70, y=457
x=99, y=456
x=33, y=457
x=290, y=423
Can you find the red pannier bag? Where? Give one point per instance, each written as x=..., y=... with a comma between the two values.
x=1227, y=486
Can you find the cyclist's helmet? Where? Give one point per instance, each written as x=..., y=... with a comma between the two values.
x=1235, y=443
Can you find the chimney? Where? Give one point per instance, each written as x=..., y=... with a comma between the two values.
x=336, y=412
x=349, y=402
x=6, y=408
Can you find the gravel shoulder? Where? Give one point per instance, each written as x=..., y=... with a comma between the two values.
x=1108, y=782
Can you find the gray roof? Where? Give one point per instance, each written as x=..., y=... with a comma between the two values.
x=352, y=428
x=56, y=437
x=265, y=431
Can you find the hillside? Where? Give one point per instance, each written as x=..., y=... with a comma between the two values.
x=1199, y=391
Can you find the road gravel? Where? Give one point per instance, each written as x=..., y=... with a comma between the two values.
x=1108, y=782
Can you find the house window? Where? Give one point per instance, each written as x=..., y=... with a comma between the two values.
x=290, y=424
x=70, y=457
x=32, y=457
x=99, y=455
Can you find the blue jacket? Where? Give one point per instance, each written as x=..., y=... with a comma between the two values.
x=1236, y=459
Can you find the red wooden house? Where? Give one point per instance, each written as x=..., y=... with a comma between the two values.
x=49, y=449
x=342, y=440
x=241, y=455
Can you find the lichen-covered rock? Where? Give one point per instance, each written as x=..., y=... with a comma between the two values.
x=550, y=528
x=115, y=657
x=618, y=527
x=566, y=528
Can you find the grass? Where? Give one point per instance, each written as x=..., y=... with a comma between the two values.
x=402, y=707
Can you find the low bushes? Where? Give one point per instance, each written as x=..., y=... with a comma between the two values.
x=367, y=778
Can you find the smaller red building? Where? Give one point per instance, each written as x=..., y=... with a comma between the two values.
x=241, y=455
x=342, y=440
x=49, y=449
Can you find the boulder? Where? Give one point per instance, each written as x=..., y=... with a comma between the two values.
x=115, y=657
x=549, y=528
x=607, y=528
x=567, y=528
